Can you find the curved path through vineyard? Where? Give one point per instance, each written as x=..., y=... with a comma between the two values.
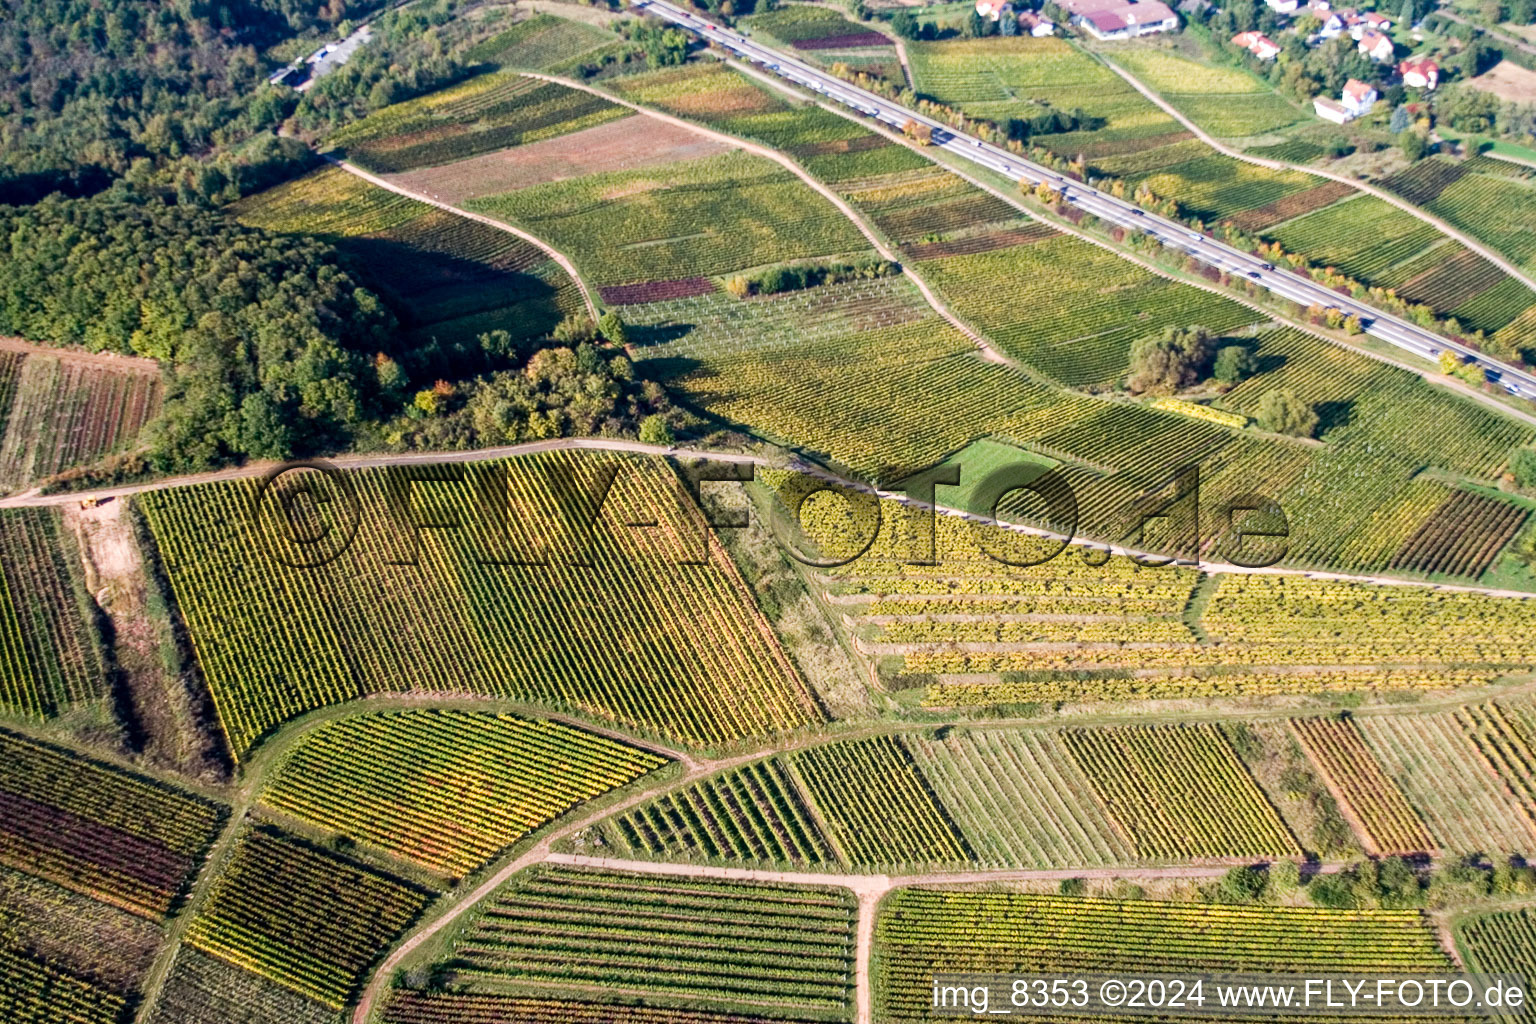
x=559, y=257
x=822, y=190
x=33, y=499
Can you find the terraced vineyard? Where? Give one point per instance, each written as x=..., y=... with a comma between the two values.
x=1358, y=782
x=452, y=278
x=701, y=217
x=447, y=789
x=485, y=113
x=877, y=805
x=50, y=652
x=922, y=932
x=117, y=837
x=1179, y=791
x=613, y=630
x=692, y=943
x=308, y=920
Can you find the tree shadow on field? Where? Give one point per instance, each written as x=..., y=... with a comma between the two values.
x=1269, y=362
x=1332, y=415
x=650, y=336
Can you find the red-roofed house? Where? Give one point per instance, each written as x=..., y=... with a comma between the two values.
x=1121, y=19
x=992, y=8
x=1376, y=46
x=1379, y=22
x=1420, y=73
x=1258, y=44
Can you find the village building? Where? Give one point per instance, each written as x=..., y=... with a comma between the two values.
x=1037, y=25
x=1377, y=46
x=1121, y=19
x=1419, y=73
x=1356, y=101
x=1258, y=44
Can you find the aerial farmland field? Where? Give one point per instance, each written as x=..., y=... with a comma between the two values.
x=757, y=513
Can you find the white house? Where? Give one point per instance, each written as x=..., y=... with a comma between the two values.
x=1283, y=6
x=1379, y=22
x=1420, y=73
x=992, y=9
x=1332, y=25
x=1376, y=46
x=1037, y=25
x=1258, y=44
x=1356, y=101
x=1121, y=19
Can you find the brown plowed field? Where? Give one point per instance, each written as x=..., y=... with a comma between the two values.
x=625, y=144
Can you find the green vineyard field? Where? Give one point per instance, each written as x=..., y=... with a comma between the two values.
x=693, y=943
x=308, y=920
x=707, y=216
x=447, y=790
x=922, y=932
x=618, y=638
x=50, y=650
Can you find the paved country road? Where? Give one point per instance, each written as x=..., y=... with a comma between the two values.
x=1128, y=215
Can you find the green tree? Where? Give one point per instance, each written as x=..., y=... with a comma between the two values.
x=655, y=429
x=1174, y=359
x=1234, y=363
x=1413, y=145
x=573, y=330
x=1281, y=412
x=612, y=329
x=1401, y=121
x=1242, y=885
x=1522, y=465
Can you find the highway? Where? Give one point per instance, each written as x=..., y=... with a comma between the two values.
x=1102, y=205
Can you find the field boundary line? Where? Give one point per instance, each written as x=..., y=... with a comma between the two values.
x=353, y=462
x=818, y=186
x=1280, y=165
x=421, y=197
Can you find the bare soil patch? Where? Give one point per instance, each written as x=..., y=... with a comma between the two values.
x=623, y=145
x=1508, y=81
x=155, y=696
